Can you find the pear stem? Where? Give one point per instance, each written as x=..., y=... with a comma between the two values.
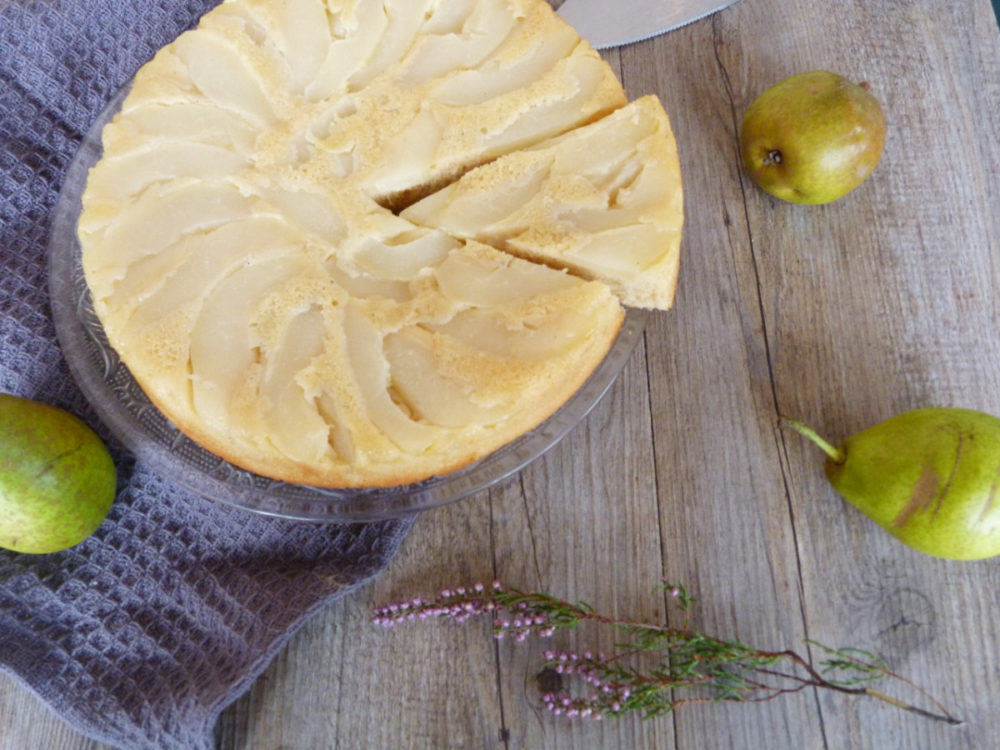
x=836, y=454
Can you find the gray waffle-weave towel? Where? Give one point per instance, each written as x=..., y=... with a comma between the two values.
x=140, y=636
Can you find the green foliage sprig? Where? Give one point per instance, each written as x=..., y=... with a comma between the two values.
x=657, y=668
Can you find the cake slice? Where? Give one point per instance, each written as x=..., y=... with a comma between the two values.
x=604, y=201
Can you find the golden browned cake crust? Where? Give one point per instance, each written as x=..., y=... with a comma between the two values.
x=240, y=241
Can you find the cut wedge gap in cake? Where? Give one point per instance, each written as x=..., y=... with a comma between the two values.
x=603, y=201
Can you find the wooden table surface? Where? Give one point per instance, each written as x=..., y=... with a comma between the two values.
x=840, y=315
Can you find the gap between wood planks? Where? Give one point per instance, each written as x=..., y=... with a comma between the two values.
x=780, y=444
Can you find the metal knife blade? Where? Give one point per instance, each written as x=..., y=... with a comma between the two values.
x=610, y=23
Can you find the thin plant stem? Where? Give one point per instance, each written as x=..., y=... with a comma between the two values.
x=685, y=659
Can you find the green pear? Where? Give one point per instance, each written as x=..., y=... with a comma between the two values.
x=57, y=479
x=812, y=138
x=930, y=477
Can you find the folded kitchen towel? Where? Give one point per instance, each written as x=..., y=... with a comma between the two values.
x=141, y=635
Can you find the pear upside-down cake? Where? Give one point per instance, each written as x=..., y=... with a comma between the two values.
x=355, y=243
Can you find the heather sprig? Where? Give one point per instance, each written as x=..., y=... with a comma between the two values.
x=656, y=668
x=515, y=613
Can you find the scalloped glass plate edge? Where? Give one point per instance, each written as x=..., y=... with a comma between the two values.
x=128, y=413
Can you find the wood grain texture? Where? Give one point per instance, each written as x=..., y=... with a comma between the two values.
x=839, y=315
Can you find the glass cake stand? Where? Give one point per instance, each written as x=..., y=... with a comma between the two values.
x=144, y=430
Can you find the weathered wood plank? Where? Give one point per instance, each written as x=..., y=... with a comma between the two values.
x=723, y=506
x=582, y=524
x=882, y=302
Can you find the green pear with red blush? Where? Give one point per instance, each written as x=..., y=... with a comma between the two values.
x=813, y=137
x=930, y=477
